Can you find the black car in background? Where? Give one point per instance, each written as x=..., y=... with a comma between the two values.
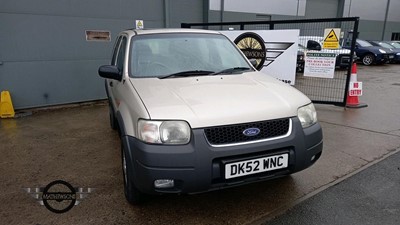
x=395, y=44
x=393, y=50
x=313, y=45
x=300, y=59
x=369, y=54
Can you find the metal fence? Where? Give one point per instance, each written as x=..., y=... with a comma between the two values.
x=319, y=90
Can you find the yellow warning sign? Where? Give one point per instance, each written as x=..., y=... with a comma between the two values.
x=139, y=24
x=331, y=40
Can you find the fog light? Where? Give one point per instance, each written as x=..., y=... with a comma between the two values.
x=312, y=158
x=164, y=183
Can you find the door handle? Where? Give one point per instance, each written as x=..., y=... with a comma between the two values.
x=111, y=84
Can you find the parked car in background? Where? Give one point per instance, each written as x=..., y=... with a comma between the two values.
x=369, y=54
x=300, y=59
x=395, y=44
x=314, y=44
x=393, y=50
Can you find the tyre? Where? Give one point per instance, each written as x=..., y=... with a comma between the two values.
x=368, y=59
x=132, y=194
x=113, y=119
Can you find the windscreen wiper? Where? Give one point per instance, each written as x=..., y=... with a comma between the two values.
x=188, y=73
x=231, y=70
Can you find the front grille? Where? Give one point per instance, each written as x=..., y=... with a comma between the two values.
x=231, y=134
x=345, y=59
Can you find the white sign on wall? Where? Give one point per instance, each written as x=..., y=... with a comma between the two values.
x=274, y=50
x=319, y=64
x=139, y=24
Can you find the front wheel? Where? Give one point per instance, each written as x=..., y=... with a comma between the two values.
x=132, y=194
x=368, y=59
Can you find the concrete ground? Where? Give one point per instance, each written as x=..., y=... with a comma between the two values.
x=369, y=197
x=77, y=145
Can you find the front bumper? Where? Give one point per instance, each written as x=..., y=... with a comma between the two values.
x=384, y=58
x=396, y=59
x=343, y=61
x=198, y=167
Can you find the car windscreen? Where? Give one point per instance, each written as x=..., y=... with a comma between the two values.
x=364, y=43
x=395, y=44
x=385, y=45
x=157, y=55
x=302, y=48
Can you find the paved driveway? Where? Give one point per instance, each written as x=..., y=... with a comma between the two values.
x=77, y=145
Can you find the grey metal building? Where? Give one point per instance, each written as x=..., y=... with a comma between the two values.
x=379, y=20
x=46, y=59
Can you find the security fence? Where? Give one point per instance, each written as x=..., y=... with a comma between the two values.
x=313, y=43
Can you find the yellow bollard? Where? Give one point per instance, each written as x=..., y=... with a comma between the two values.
x=6, y=106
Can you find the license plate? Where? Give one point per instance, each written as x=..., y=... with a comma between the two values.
x=391, y=56
x=253, y=166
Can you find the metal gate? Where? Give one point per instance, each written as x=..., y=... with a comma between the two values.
x=319, y=90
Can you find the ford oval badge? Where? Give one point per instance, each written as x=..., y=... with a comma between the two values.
x=249, y=132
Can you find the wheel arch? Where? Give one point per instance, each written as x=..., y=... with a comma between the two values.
x=121, y=123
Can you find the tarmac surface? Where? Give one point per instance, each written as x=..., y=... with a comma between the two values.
x=76, y=145
x=369, y=197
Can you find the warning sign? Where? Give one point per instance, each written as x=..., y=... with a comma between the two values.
x=319, y=64
x=355, y=89
x=139, y=24
x=331, y=40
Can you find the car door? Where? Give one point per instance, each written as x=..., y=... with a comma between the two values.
x=118, y=60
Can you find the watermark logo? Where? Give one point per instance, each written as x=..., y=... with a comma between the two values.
x=59, y=196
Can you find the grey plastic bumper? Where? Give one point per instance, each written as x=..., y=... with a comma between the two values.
x=198, y=167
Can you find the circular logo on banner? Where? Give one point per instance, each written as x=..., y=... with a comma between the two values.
x=253, y=47
x=59, y=196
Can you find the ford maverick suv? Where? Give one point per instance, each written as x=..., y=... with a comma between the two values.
x=194, y=115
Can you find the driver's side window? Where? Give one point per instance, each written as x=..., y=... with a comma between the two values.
x=121, y=54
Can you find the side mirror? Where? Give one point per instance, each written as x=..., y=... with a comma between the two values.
x=111, y=72
x=357, y=46
x=253, y=62
x=313, y=45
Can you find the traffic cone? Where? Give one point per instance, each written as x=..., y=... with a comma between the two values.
x=352, y=101
x=6, y=106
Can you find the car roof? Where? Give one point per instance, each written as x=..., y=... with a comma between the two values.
x=315, y=38
x=311, y=37
x=134, y=32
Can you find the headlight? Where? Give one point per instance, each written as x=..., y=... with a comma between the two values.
x=307, y=115
x=164, y=132
x=382, y=51
x=398, y=53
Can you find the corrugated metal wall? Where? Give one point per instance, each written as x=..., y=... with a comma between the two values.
x=46, y=60
x=44, y=56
